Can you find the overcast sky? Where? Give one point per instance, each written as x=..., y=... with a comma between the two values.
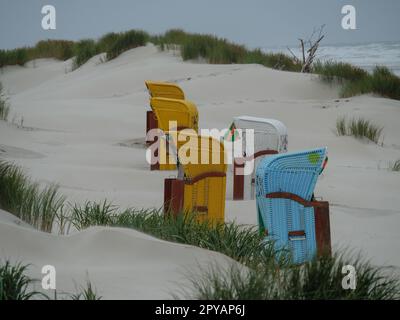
x=256, y=23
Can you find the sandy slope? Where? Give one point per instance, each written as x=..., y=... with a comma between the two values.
x=80, y=130
x=120, y=263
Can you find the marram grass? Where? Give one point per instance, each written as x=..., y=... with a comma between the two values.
x=356, y=81
x=84, y=50
x=125, y=41
x=359, y=128
x=241, y=243
x=216, y=50
x=86, y=293
x=15, y=284
x=318, y=279
x=331, y=71
x=26, y=200
x=4, y=107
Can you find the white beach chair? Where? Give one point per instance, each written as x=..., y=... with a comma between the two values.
x=270, y=137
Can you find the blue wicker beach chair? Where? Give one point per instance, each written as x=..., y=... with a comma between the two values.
x=286, y=209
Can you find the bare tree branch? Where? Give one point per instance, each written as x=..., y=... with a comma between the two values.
x=294, y=56
x=302, y=50
x=306, y=62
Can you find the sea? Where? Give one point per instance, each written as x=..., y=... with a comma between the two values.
x=366, y=56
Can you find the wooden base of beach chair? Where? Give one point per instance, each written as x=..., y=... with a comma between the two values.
x=238, y=179
x=182, y=196
x=151, y=123
x=173, y=196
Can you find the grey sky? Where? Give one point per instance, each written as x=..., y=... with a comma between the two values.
x=256, y=23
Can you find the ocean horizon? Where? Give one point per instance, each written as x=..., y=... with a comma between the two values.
x=366, y=56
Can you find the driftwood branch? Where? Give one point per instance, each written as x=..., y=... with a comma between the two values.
x=307, y=60
x=302, y=50
x=294, y=56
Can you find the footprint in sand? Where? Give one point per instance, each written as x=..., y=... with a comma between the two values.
x=139, y=143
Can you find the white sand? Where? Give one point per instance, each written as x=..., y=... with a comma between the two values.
x=79, y=132
x=120, y=263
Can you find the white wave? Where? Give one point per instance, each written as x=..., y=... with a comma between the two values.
x=366, y=56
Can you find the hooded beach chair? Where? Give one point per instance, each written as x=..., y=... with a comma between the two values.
x=201, y=182
x=172, y=115
x=287, y=212
x=159, y=89
x=270, y=137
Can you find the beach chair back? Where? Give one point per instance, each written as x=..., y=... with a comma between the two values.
x=286, y=209
x=202, y=176
x=269, y=135
x=184, y=113
x=176, y=115
x=160, y=90
x=164, y=90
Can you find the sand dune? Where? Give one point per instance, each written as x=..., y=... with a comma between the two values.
x=120, y=263
x=79, y=128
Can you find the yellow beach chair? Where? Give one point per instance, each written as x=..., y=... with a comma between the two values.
x=176, y=115
x=201, y=183
x=167, y=111
x=164, y=90
x=160, y=90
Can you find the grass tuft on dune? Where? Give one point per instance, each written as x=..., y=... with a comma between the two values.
x=358, y=128
x=37, y=206
x=356, y=81
x=331, y=71
x=382, y=82
x=220, y=51
x=4, y=107
x=14, y=283
x=125, y=41
x=318, y=279
x=241, y=243
x=58, y=49
x=86, y=293
x=84, y=50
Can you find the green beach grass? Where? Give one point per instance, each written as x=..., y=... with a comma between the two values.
x=37, y=206
x=15, y=284
x=216, y=50
x=356, y=81
x=4, y=107
x=319, y=279
x=359, y=128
